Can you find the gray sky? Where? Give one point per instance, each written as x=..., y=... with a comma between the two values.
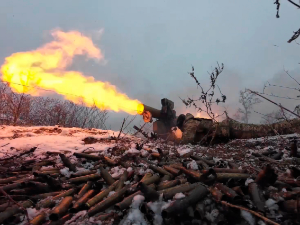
x=150, y=45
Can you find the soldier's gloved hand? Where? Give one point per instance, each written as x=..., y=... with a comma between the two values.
x=177, y=132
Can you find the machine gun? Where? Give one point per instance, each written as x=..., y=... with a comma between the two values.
x=166, y=117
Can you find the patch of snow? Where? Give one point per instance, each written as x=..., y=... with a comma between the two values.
x=32, y=212
x=212, y=216
x=135, y=216
x=87, y=165
x=216, y=159
x=183, y=150
x=111, y=193
x=272, y=206
x=45, y=139
x=75, y=217
x=179, y=195
x=137, y=201
x=248, y=217
x=248, y=181
x=143, y=172
x=64, y=132
x=157, y=208
x=192, y=165
x=132, y=151
x=144, y=153
x=116, y=171
x=261, y=222
x=65, y=171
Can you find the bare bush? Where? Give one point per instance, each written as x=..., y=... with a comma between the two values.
x=14, y=107
x=207, y=97
x=274, y=117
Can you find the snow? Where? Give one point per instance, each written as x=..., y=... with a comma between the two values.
x=132, y=151
x=78, y=215
x=179, y=195
x=269, y=138
x=248, y=217
x=192, y=165
x=183, y=150
x=144, y=153
x=157, y=208
x=32, y=212
x=272, y=206
x=65, y=171
x=137, y=201
x=116, y=171
x=248, y=181
x=48, y=138
x=216, y=159
x=111, y=193
x=261, y=222
x=212, y=216
x=135, y=216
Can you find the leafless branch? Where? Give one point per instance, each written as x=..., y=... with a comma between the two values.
x=207, y=97
x=250, y=211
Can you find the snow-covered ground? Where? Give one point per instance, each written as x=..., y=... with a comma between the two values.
x=16, y=140
x=55, y=139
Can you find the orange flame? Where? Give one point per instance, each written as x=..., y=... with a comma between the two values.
x=46, y=66
x=201, y=115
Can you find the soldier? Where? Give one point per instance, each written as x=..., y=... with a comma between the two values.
x=193, y=129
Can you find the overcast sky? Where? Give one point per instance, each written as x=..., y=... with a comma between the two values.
x=150, y=46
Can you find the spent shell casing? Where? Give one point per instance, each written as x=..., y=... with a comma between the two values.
x=60, y=210
x=67, y=162
x=149, y=193
x=99, y=197
x=125, y=204
x=81, y=201
x=88, y=156
x=122, y=179
x=39, y=219
x=85, y=189
x=108, y=202
x=170, y=192
x=85, y=178
x=160, y=170
x=181, y=205
x=106, y=176
x=168, y=184
x=10, y=211
x=48, y=202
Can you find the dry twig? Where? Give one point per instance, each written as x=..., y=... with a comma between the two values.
x=121, y=128
x=250, y=211
x=10, y=198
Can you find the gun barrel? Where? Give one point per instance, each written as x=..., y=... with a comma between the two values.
x=154, y=112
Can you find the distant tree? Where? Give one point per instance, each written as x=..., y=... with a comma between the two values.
x=247, y=100
x=15, y=106
x=23, y=109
